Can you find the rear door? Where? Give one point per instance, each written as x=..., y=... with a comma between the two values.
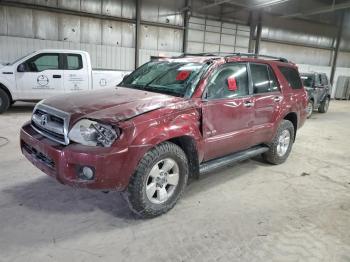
x=227, y=115
x=42, y=77
x=268, y=98
x=76, y=75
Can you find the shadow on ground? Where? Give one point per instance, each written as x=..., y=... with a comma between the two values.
x=21, y=107
x=47, y=195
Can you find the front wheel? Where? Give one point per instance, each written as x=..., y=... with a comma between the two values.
x=4, y=101
x=324, y=106
x=281, y=144
x=310, y=108
x=159, y=180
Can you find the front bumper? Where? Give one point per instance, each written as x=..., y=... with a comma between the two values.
x=65, y=162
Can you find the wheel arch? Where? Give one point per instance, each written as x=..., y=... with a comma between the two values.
x=7, y=91
x=189, y=146
x=292, y=117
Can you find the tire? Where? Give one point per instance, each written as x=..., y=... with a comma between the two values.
x=4, y=101
x=276, y=155
x=323, y=108
x=147, y=204
x=310, y=108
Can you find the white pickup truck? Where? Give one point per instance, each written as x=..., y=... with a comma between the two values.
x=46, y=73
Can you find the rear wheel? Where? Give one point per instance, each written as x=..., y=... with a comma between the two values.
x=158, y=181
x=310, y=108
x=281, y=144
x=323, y=108
x=4, y=101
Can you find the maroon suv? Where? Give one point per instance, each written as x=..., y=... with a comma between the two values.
x=171, y=119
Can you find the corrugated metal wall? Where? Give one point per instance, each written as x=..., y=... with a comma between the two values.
x=206, y=35
x=111, y=43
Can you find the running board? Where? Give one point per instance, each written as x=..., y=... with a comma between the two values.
x=211, y=165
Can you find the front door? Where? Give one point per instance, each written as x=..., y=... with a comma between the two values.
x=42, y=77
x=268, y=99
x=227, y=113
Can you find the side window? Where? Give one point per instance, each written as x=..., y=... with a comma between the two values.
x=292, y=76
x=43, y=62
x=74, y=62
x=261, y=79
x=229, y=81
x=324, y=79
x=273, y=80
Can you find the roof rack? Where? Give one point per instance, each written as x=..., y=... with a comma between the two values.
x=229, y=54
x=226, y=55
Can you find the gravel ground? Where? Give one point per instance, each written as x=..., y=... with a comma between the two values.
x=297, y=211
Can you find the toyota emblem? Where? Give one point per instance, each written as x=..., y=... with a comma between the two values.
x=43, y=120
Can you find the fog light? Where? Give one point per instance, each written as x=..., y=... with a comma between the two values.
x=86, y=173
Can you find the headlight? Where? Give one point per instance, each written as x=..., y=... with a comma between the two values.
x=92, y=133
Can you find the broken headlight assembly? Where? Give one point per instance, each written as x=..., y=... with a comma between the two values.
x=92, y=133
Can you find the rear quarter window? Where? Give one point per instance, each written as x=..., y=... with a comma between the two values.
x=292, y=76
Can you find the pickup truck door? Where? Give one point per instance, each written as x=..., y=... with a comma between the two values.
x=42, y=77
x=227, y=113
x=268, y=99
x=75, y=75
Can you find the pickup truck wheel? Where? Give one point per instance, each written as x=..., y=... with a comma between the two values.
x=323, y=108
x=281, y=145
x=4, y=101
x=159, y=180
x=310, y=108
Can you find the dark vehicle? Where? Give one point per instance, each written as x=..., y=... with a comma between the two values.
x=169, y=120
x=318, y=89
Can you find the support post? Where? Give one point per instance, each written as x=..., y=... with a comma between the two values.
x=336, y=49
x=186, y=24
x=252, y=32
x=137, y=32
x=258, y=35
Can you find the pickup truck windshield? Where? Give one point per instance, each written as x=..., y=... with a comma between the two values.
x=174, y=78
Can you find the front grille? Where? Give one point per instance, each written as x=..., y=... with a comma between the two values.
x=51, y=123
x=60, y=137
x=38, y=155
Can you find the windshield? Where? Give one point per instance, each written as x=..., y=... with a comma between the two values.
x=307, y=80
x=174, y=78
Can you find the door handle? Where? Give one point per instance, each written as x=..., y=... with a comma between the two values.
x=277, y=99
x=248, y=104
x=56, y=76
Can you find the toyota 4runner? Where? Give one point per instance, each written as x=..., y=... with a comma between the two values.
x=169, y=120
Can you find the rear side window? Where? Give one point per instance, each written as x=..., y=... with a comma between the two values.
x=264, y=80
x=292, y=76
x=74, y=62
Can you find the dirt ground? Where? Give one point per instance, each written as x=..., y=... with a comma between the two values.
x=297, y=211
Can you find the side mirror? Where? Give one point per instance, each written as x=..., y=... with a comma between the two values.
x=232, y=84
x=21, y=68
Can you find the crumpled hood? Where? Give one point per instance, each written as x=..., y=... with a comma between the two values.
x=111, y=104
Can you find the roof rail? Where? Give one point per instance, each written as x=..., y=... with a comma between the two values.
x=229, y=54
x=263, y=56
x=226, y=55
